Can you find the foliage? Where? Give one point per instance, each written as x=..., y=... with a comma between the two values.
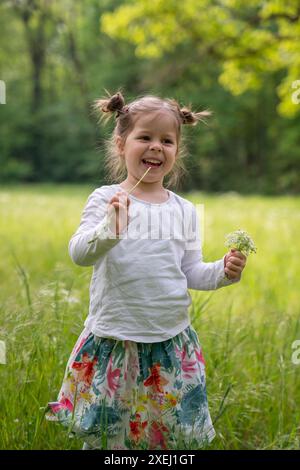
x=251, y=39
x=238, y=59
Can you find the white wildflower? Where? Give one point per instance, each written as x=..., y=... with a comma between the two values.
x=241, y=241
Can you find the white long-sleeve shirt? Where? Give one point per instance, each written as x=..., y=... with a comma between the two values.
x=139, y=287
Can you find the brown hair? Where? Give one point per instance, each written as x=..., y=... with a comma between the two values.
x=125, y=114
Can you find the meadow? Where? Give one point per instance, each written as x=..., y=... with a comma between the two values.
x=246, y=330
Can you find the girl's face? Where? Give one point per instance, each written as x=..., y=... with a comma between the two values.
x=152, y=139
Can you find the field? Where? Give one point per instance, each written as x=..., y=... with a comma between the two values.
x=246, y=330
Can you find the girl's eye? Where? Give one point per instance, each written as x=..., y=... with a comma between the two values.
x=146, y=137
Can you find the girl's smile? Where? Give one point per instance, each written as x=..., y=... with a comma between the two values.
x=153, y=163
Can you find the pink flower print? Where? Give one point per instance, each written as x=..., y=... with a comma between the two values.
x=187, y=365
x=85, y=368
x=112, y=377
x=63, y=403
x=157, y=435
x=199, y=356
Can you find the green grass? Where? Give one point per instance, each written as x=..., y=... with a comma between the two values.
x=246, y=330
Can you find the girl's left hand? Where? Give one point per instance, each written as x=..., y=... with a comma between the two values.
x=234, y=263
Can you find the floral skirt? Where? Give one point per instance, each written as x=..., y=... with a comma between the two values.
x=125, y=395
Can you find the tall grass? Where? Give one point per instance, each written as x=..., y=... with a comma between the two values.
x=246, y=330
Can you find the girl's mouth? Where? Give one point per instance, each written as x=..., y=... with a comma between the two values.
x=152, y=163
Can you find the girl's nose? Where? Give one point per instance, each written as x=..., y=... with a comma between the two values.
x=155, y=146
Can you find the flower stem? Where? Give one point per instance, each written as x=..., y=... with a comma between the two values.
x=129, y=192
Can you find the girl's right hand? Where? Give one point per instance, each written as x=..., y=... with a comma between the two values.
x=118, y=212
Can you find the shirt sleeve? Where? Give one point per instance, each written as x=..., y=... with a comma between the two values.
x=93, y=238
x=201, y=275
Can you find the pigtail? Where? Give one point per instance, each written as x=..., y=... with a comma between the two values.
x=189, y=117
x=110, y=105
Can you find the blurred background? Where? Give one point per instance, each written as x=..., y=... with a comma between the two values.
x=239, y=59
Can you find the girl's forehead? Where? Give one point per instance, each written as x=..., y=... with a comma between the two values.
x=162, y=120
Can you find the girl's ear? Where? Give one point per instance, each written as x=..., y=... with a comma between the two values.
x=120, y=145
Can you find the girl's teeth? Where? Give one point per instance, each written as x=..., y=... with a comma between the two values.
x=148, y=162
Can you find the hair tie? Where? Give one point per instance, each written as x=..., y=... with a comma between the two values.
x=186, y=116
x=123, y=110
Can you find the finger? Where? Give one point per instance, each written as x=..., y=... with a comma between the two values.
x=119, y=206
x=233, y=267
x=237, y=261
x=122, y=199
x=116, y=197
x=113, y=199
x=232, y=274
x=242, y=263
x=231, y=261
x=240, y=255
x=234, y=262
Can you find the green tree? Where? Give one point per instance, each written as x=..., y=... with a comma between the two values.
x=55, y=64
x=252, y=39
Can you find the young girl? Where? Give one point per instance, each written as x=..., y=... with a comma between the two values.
x=136, y=377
